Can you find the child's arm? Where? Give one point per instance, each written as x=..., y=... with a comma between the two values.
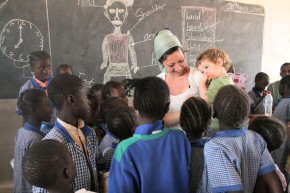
x=273, y=182
x=203, y=88
x=132, y=53
x=105, y=53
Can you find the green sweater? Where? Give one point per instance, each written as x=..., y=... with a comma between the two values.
x=213, y=88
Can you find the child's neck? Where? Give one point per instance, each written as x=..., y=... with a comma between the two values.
x=224, y=127
x=68, y=118
x=61, y=190
x=33, y=122
x=286, y=93
x=146, y=120
x=223, y=73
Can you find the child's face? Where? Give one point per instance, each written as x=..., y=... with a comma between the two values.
x=42, y=69
x=210, y=69
x=65, y=70
x=262, y=84
x=44, y=111
x=175, y=63
x=82, y=104
x=285, y=70
x=282, y=89
x=120, y=93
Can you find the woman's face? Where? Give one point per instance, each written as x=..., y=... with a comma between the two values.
x=175, y=63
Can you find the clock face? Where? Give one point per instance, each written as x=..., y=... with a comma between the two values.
x=19, y=38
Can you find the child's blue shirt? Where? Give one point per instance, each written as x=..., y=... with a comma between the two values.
x=154, y=160
x=83, y=178
x=234, y=159
x=25, y=138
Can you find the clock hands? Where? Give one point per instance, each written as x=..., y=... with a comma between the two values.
x=20, y=37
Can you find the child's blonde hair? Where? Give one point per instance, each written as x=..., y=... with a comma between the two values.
x=213, y=54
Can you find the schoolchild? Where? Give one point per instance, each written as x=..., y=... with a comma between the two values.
x=68, y=93
x=273, y=131
x=64, y=69
x=236, y=156
x=121, y=124
x=53, y=159
x=213, y=63
x=195, y=118
x=274, y=87
x=107, y=107
x=257, y=94
x=95, y=97
x=34, y=105
x=40, y=65
x=156, y=158
x=114, y=89
x=282, y=112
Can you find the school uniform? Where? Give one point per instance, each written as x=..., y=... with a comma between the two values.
x=154, y=160
x=25, y=138
x=83, y=148
x=255, y=97
x=33, y=83
x=107, y=157
x=282, y=112
x=107, y=142
x=233, y=160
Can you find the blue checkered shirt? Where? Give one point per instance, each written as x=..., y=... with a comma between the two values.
x=233, y=160
x=25, y=138
x=82, y=179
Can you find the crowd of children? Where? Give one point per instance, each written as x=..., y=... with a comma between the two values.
x=97, y=131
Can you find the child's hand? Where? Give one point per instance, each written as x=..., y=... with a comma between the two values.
x=205, y=80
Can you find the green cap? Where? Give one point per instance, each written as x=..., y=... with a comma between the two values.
x=164, y=41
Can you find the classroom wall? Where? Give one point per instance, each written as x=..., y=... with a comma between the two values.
x=276, y=48
x=276, y=45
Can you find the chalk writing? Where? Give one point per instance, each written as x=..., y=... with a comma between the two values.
x=141, y=14
x=243, y=8
x=198, y=30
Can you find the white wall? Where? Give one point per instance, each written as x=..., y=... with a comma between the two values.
x=276, y=41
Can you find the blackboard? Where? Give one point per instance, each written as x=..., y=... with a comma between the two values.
x=73, y=32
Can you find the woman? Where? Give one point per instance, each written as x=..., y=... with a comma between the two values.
x=183, y=80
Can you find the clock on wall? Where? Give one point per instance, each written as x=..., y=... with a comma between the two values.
x=19, y=38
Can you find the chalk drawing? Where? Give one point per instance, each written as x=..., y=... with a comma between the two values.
x=88, y=82
x=117, y=46
x=18, y=39
x=3, y=3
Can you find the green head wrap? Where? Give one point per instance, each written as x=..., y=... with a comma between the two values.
x=163, y=42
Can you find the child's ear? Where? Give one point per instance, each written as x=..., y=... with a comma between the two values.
x=70, y=99
x=219, y=62
x=32, y=67
x=68, y=174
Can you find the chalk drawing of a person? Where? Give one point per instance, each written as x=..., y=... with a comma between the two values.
x=116, y=45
